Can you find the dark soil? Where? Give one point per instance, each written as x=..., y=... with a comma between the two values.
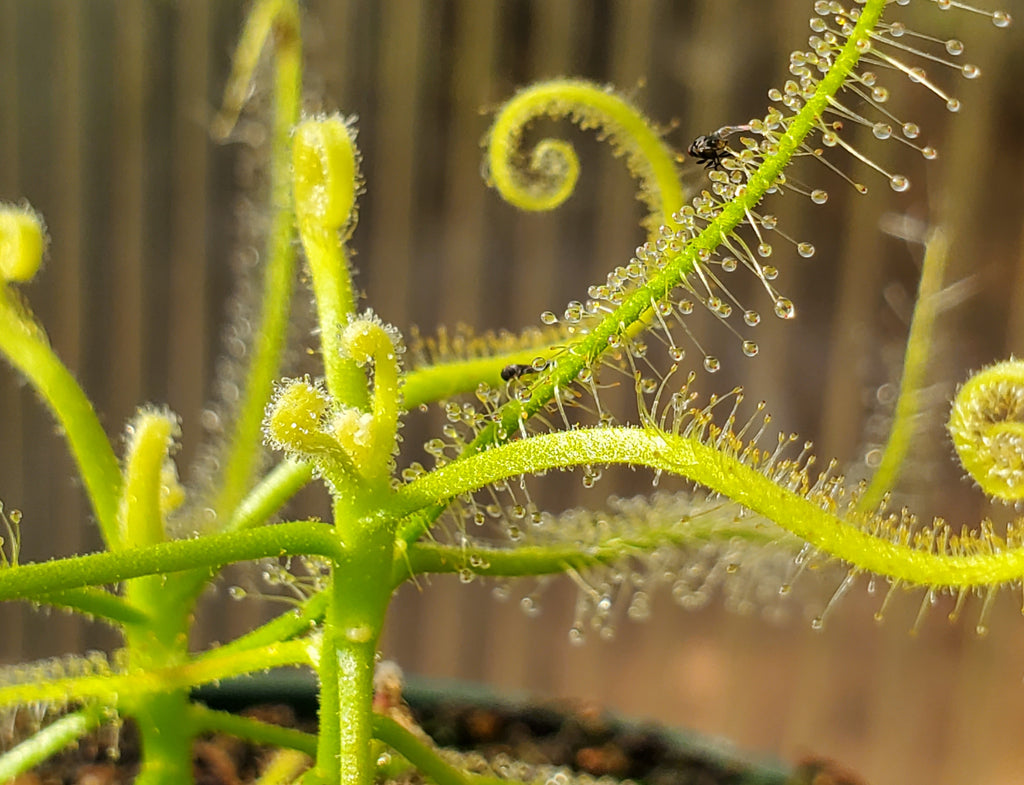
x=578, y=736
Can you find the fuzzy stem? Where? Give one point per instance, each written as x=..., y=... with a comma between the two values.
x=281, y=628
x=33, y=581
x=48, y=741
x=419, y=754
x=730, y=477
x=359, y=594
x=163, y=640
x=24, y=344
x=554, y=164
x=203, y=720
x=243, y=452
x=915, y=364
x=554, y=558
x=447, y=379
x=97, y=603
x=122, y=688
x=326, y=177
x=272, y=492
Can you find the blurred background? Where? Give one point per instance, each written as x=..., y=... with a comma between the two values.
x=104, y=114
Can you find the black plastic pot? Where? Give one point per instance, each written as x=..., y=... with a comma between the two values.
x=562, y=733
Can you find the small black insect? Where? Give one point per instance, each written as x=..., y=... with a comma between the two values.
x=515, y=370
x=711, y=149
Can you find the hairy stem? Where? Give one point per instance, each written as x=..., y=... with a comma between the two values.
x=915, y=364
x=243, y=453
x=933, y=561
x=31, y=581
x=24, y=344
x=47, y=742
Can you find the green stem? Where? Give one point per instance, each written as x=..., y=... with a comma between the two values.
x=424, y=757
x=272, y=493
x=122, y=689
x=554, y=165
x=915, y=364
x=359, y=594
x=162, y=641
x=203, y=720
x=933, y=559
x=554, y=558
x=97, y=603
x=243, y=453
x=447, y=379
x=335, y=303
x=24, y=344
x=325, y=180
x=35, y=581
x=165, y=737
x=49, y=741
x=282, y=628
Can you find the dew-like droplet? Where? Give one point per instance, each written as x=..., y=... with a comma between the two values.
x=529, y=606
x=752, y=318
x=676, y=353
x=806, y=250
x=750, y=348
x=640, y=608
x=955, y=47
x=970, y=71
x=770, y=273
x=548, y=318
x=784, y=308
x=818, y=196
x=953, y=104
x=881, y=130
x=764, y=250
x=930, y=153
x=911, y=130
x=817, y=623
x=236, y=592
x=729, y=264
x=899, y=182
x=712, y=364
x=1001, y=19
x=879, y=94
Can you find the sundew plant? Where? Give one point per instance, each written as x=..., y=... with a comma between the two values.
x=514, y=409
